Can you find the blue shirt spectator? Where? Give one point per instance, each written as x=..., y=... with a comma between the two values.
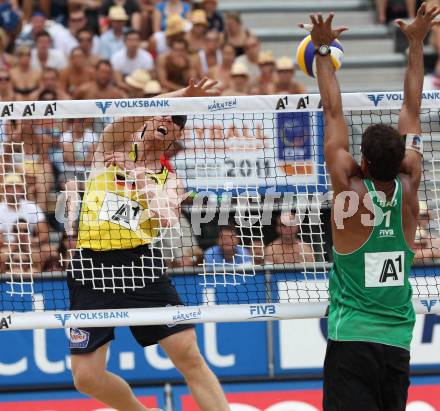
x=227, y=249
x=113, y=39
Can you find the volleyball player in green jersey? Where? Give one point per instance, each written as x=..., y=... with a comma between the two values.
x=371, y=317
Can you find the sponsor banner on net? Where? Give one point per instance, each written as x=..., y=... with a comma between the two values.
x=63, y=318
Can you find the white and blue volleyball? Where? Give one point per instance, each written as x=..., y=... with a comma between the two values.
x=305, y=56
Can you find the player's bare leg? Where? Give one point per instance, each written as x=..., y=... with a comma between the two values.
x=184, y=352
x=91, y=377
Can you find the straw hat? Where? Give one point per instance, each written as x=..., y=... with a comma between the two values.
x=266, y=57
x=175, y=25
x=152, y=87
x=199, y=17
x=284, y=64
x=239, y=69
x=117, y=13
x=138, y=78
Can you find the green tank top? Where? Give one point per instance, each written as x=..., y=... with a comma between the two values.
x=370, y=294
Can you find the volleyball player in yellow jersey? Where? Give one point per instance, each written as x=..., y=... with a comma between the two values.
x=115, y=261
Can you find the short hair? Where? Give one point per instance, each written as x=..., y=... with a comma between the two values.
x=131, y=32
x=84, y=30
x=383, y=149
x=179, y=40
x=41, y=34
x=50, y=70
x=77, y=48
x=103, y=62
x=233, y=16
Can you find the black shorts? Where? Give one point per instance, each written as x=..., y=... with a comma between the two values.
x=160, y=293
x=364, y=376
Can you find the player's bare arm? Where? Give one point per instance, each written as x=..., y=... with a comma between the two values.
x=116, y=135
x=339, y=161
x=409, y=119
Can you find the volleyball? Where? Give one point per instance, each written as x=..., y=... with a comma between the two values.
x=305, y=56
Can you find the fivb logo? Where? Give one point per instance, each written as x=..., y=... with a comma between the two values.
x=376, y=98
x=103, y=105
x=63, y=318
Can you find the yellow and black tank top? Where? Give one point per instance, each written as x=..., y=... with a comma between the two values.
x=114, y=215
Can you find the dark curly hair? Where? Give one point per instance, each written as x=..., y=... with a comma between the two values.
x=383, y=148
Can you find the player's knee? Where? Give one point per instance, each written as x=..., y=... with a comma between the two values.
x=191, y=362
x=86, y=380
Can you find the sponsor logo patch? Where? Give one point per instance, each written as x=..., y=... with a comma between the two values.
x=79, y=338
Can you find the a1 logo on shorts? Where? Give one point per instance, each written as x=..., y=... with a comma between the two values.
x=384, y=269
x=79, y=338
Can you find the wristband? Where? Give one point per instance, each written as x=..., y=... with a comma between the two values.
x=414, y=142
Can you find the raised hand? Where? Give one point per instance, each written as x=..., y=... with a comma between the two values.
x=204, y=88
x=322, y=31
x=422, y=24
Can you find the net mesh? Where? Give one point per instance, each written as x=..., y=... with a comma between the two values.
x=252, y=190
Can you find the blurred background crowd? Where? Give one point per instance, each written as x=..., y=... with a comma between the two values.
x=110, y=49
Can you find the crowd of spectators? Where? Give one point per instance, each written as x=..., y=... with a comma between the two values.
x=94, y=49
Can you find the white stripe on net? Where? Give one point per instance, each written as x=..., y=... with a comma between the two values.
x=19, y=264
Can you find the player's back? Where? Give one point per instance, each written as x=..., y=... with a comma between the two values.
x=371, y=294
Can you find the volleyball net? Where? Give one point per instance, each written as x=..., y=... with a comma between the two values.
x=237, y=213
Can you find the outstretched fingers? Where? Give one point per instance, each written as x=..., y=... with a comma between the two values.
x=313, y=20
x=329, y=20
x=339, y=30
x=422, y=9
x=210, y=85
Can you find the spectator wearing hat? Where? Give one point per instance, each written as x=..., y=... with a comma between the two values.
x=45, y=56
x=24, y=78
x=38, y=23
x=131, y=9
x=196, y=36
x=103, y=87
x=252, y=49
x=235, y=33
x=175, y=68
x=132, y=56
x=152, y=89
x=169, y=7
x=136, y=82
x=265, y=83
x=50, y=81
x=85, y=42
x=222, y=72
x=113, y=39
x=77, y=73
x=215, y=19
x=210, y=55
x=286, y=83
x=161, y=40
x=240, y=81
